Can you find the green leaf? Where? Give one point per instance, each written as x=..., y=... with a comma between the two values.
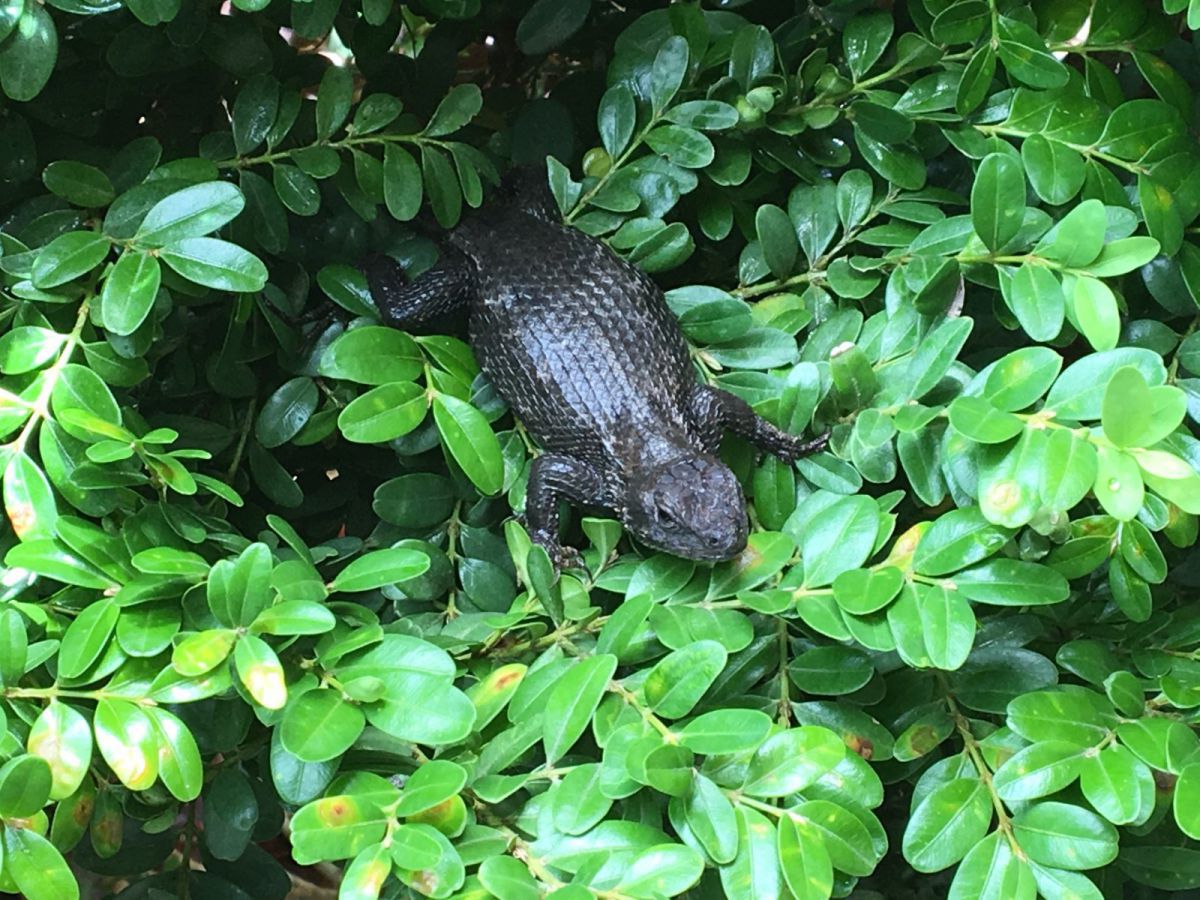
x=375, y=112
x=668, y=71
x=286, y=411
x=711, y=818
x=129, y=292
x=503, y=876
x=1039, y=770
x=469, y=439
x=1012, y=582
x=1127, y=412
x=1118, y=485
x=979, y=420
x=976, y=79
x=1096, y=312
x=28, y=55
x=402, y=189
x=1036, y=298
x=1124, y=255
x=572, y=702
x=790, y=761
x=677, y=682
x=1055, y=170
x=260, y=671
x=191, y=212
x=67, y=257
x=616, y=118
x=334, y=97
x=755, y=871
x=320, y=725
x=864, y=591
x=778, y=239
x=216, y=264
x=384, y=413
x=864, y=39
x=336, y=827
x=238, y=589
x=845, y=837
x=297, y=190
x=87, y=637
x=1118, y=785
x=63, y=738
x=457, y=108
x=202, y=651
x=442, y=186
x=806, y=866
x=128, y=742
x=179, y=764
x=1065, y=836
x=991, y=871
x=1079, y=717
x=35, y=865
x=548, y=23
x=1024, y=55
x=294, y=617
x=431, y=785
x=379, y=568
x=254, y=112
x=25, y=783
x=997, y=200
x=78, y=183
x=956, y=540
x=372, y=355
x=843, y=541
x=725, y=731
x=32, y=512
x=663, y=870
x=947, y=824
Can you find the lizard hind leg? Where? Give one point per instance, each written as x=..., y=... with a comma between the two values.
x=440, y=291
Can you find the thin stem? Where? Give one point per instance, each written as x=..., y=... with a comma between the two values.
x=634, y=144
x=785, y=706
x=1087, y=150
x=242, y=437
x=54, y=692
x=245, y=162
x=648, y=717
x=975, y=754
x=41, y=406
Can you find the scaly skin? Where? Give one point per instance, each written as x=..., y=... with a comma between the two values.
x=583, y=347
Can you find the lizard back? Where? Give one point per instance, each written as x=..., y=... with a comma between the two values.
x=580, y=343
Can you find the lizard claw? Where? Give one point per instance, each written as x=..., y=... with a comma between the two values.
x=562, y=557
x=568, y=558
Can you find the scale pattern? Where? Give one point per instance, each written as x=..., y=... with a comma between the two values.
x=580, y=342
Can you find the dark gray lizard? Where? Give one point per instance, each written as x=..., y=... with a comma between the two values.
x=583, y=347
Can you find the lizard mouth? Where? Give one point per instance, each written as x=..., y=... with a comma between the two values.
x=699, y=549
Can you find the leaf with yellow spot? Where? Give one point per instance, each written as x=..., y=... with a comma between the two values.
x=63, y=738
x=128, y=742
x=260, y=671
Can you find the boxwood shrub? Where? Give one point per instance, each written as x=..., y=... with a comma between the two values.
x=269, y=614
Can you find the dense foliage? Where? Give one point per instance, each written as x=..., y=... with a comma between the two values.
x=263, y=591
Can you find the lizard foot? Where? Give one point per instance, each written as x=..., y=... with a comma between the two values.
x=799, y=449
x=562, y=557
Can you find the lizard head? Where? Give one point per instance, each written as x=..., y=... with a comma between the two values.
x=692, y=507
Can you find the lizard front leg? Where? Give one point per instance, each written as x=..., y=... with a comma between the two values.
x=441, y=290
x=554, y=476
x=714, y=410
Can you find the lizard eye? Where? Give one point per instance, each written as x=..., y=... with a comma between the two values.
x=664, y=514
